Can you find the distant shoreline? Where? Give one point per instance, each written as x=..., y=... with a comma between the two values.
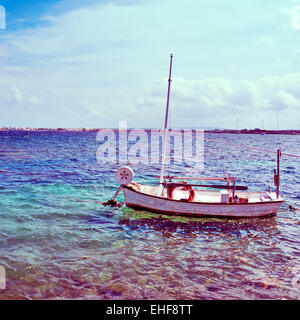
x=231, y=131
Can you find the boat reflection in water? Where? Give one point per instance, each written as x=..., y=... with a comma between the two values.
x=169, y=226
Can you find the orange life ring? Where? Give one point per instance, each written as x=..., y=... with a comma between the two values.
x=191, y=192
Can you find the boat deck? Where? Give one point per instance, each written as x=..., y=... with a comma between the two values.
x=208, y=196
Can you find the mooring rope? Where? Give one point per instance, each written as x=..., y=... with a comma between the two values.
x=292, y=208
x=113, y=202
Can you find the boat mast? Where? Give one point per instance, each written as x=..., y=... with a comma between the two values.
x=164, y=146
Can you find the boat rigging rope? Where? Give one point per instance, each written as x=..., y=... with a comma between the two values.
x=253, y=148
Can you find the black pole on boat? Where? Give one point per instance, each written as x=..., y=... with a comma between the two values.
x=278, y=173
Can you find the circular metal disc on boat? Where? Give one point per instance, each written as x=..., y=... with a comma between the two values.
x=124, y=175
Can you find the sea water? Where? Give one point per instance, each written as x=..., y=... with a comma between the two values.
x=58, y=242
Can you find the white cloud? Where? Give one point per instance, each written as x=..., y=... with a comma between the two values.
x=297, y=57
x=266, y=40
x=284, y=100
x=94, y=111
x=34, y=99
x=217, y=100
x=17, y=94
x=94, y=65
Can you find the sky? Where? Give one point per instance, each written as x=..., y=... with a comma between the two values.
x=92, y=63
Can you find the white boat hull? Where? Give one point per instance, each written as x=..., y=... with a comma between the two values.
x=139, y=200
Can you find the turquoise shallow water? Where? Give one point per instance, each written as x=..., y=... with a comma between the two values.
x=57, y=242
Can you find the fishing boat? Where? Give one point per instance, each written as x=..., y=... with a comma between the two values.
x=185, y=195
